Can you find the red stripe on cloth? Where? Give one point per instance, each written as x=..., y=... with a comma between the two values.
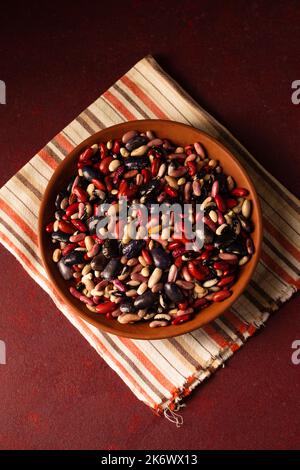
x=281, y=239
x=143, y=97
x=63, y=142
x=148, y=364
x=216, y=336
x=119, y=105
x=48, y=159
x=235, y=321
x=18, y=220
x=278, y=269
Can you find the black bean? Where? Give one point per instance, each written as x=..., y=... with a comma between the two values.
x=173, y=292
x=59, y=214
x=237, y=248
x=70, y=185
x=161, y=258
x=90, y=173
x=208, y=235
x=226, y=238
x=60, y=197
x=247, y=225
x=112, y=269
x=75, y=257
x=110, y=248
x=99, y=262
x=136, y=142
x=65, y=271
x=127, y=306
x=136, y=163
x=133, y=248
x=146, y=300
x=60, y=236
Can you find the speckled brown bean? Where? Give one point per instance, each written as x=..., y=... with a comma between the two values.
x=157, y=323
x=129, y=135
x=128, y=318
x=56, y=255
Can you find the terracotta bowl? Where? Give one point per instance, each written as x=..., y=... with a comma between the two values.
x=180, y=134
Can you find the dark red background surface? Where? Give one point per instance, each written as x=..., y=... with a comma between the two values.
x=238, y=60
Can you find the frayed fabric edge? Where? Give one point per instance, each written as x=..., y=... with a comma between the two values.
x=170, y=408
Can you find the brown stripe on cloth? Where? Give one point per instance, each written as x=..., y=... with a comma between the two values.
x=85, y=125
x=21, y=240
x=28, y=185
x=183, y=352
x=21, y=201
x=52, y=154
x=184, y=118
x=281, y=256
x=94, y=118
x=38, y=171
x=131, y=101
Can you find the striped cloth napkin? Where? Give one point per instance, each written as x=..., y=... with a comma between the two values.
x=161, y=373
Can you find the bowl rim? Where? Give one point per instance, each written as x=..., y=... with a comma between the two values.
x=163, y=333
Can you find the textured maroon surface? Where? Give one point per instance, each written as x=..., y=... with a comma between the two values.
x=238, y=60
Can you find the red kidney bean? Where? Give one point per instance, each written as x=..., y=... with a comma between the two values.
x=104, y=164
x=130, y=174
x=192, y=168
x=205, y=255
x=199, y=272
x=116, y=147
x=86, y=155
x=72, y=209
x=207, y=220
x=200, y=302
x=70, y=247
x=147, y=257
x=79, y=225
x=98, y=184
x=220, y=203
x=77, y=238
x=225, y=280
x=146, y=175
x=171, y=192
x=215, y=188
x=182, y=305
x=81, y=194
x=108, y=183
x=240, y=192
x=230, y=203
x=155, y=166
x=49, y=227
x=66, y=227
x=221, y=265
x=221, y=219
x=181, y=319
x=221, y=295
x=103, y=150
x=106, y=307
x=174, y=245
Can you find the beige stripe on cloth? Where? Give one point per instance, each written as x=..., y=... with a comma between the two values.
x=161, y=373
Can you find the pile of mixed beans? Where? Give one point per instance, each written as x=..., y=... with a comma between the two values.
x=154, y=280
